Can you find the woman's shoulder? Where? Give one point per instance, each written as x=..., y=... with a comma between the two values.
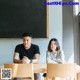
x=48, y=52
x=61, y=52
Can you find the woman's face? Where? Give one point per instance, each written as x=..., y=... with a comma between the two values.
x=53, y=46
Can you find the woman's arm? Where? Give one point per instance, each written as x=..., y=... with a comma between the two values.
x=48, y=58
x=62, y=57
x=60, y=60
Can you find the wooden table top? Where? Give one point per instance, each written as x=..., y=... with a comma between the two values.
x=41, y=68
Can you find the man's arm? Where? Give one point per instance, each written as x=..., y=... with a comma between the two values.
x=36, y=55
x=36, y=58
x=16, y=58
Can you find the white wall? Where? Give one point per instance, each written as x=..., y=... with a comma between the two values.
x=55, y=30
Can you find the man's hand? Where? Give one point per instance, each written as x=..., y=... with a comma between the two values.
x=25, y=60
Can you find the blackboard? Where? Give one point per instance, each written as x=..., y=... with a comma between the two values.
x=19, y=16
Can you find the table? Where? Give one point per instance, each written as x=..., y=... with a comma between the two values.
x=41, y=68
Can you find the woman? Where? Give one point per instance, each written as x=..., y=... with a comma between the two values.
x=54, y=54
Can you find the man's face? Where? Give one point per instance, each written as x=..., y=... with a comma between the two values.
x=27, y=41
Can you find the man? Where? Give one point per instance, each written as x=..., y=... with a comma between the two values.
x=27, y=52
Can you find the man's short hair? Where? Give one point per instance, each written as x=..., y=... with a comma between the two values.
x=26, y=34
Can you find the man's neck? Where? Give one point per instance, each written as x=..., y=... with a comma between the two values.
x=28, y=47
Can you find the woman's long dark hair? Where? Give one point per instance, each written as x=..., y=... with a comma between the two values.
x=56, y=42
